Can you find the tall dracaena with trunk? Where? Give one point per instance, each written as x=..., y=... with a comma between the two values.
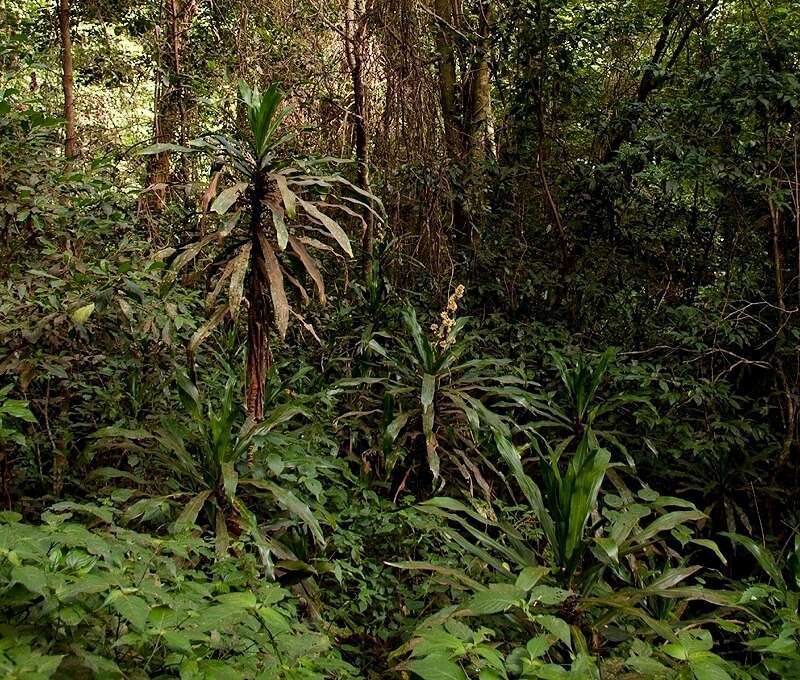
x=260, y=254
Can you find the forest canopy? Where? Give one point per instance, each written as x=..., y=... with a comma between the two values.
x=415, y=339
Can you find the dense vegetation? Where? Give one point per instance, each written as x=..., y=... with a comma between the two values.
x=436, y=339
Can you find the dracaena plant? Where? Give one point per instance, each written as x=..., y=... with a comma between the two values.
x=210, y=458
x=436, y=403
x=582, y=410
x=276, y=213
x=601, y=577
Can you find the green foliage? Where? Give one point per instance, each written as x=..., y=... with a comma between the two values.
x=109, y=602
x=470, y=499
x=437, y=404
x=12, y=410
x=211, y=463
x=266, y=176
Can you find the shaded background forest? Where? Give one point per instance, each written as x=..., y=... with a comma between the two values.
x=616, y=186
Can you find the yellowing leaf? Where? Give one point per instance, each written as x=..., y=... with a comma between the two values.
x=288, y=196
x=82, y=314
x=227, y=198
x=281, y=232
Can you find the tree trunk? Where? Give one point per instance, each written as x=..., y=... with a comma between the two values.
x=355, y=25
x=480, y=142
x=259, y=358
x=67, y=81
x=169, y=111
x=447, y=78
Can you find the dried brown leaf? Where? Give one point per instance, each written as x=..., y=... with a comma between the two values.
x=273, y=271
x=310, y=266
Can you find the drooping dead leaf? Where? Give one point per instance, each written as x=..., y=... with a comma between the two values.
x=236, y=287
x=330, y=224
x=190, y=252
x=297, y=285
x=310, y=266
x=210, y=193
x=319, y=245
x=211, y=298
x=306, y=325
x=205, y=330
x=273, y=271
x=345, y=209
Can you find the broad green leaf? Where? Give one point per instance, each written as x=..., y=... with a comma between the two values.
x=131, y=607
x=446, y=571
x=244, y=600
x=711, y=545
x=548, y=595
x=555, y=626
x=762, y=555
x=428, y=389
x=667, y=522
x=538, y=646
x=609, y=546
x=647, y=666
x=436, y=667
x=673, y=577
x=17, y=408
x=230, y=479
x=33, y=578
x=530, y=576
x=188, y=515
x=708, y=670
x=293, y=504
x=497, y=598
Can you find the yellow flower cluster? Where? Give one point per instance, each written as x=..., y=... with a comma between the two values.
x=442, y=331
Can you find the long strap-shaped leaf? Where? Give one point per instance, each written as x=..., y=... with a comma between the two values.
x=528, y=486
x=272, y=270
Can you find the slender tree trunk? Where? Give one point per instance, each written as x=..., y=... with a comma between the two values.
x=662, y=60
x=169, y=111
x=355, y=25
x=775, y=217
x=454, y=113
x=259, y=357
x=67, y=81
x=447, y=77
x=480, y=91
